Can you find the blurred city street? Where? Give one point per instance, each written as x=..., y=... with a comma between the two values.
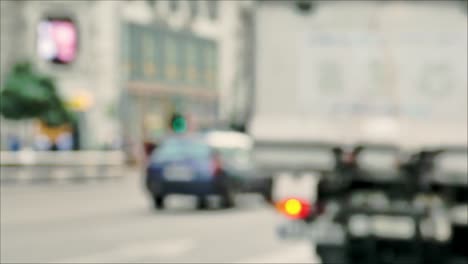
x=112, y=221
x=193, y=131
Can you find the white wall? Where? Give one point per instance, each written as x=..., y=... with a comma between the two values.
x=290, y=49
x=105, y=61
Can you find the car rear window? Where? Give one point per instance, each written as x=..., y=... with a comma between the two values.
x=235, y=155
x=176, y=149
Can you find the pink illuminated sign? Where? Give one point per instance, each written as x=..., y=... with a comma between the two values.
x=57, y=40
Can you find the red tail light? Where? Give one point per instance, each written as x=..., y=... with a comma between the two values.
x=294, y=208
x=216, y=165
x=299, y=209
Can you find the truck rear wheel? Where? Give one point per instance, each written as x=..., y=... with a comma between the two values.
x=202, y=203
x=227, y=198
x=332, y=255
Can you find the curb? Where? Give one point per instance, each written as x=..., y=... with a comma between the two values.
x=32, y=175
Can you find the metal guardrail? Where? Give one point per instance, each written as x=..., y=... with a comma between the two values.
x=56, y=166
x=61, y=158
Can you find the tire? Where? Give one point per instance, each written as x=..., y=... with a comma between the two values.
x=268, y=192
x=332, y=255
x=228, y=198
x=158, y=201
x=202, y=203
x=226, y=191
x=458, y=260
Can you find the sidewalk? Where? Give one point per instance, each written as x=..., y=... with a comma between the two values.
x=76, y=166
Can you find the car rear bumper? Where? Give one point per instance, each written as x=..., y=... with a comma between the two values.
x=163, y=187
x=320, y=232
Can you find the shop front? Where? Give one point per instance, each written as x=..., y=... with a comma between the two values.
x=154, y=107
x=167, y=71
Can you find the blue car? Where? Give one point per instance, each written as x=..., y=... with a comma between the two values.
x=187, y=165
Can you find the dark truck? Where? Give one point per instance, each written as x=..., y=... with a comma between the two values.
x=375, y=206
x=450, y=181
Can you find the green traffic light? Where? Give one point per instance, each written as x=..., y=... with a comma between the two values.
x=179, y=125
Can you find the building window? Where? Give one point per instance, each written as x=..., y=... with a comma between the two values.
x=57, y=40
x=174, y=5
x=211, y=66
x=193, y=6
x=191, y=52
x=171, y=57
x=148, y=49
x=213, y=9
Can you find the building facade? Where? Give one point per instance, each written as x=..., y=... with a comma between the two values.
x=136, y=62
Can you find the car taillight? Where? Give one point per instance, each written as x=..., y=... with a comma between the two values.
x=216, y=166
x=299, y=209
x=294, y=208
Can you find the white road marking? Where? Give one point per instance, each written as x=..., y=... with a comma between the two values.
x=61, y=175
x=90, y=172
x=296, y=252
x=131, y=252
x=24, y=176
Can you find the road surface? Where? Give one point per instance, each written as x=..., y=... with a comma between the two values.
x=113, y=222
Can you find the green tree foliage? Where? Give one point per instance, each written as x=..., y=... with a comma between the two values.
x=27, y=94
